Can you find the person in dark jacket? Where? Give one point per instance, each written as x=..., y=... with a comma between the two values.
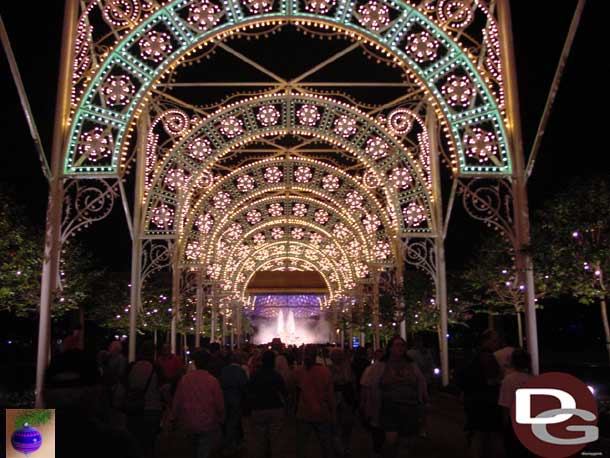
x=267, y=395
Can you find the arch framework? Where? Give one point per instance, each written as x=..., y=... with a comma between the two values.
x=115, y=54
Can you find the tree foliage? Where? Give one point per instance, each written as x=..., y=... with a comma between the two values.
x=572, y=239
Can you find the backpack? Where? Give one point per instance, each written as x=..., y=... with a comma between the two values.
x=135, y=398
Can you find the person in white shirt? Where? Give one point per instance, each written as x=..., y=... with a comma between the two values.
x=516, y=376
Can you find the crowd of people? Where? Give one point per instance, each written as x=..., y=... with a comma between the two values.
x=226, y=401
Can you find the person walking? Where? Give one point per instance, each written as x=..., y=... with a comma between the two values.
x=198, y=406
x=344, y=386
x=233, y=381
x=267, y=399
x=316, y=410
x=142, y=399
x=517, y=374
x=394, y=395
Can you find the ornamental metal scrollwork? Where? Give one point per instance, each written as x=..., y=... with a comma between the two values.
x=156, y=255
x=86, y=202
x=490, y=202
x=420, y=253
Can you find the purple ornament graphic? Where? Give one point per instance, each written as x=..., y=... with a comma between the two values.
x=26, y=440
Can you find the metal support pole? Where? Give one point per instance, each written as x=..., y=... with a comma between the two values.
x=376, y=342
x=523, y=259
x=136, y=242
x=175, y=301
x=52, y=246
x=214, y=320
x=403, y=329
x=238, y=319
x=199, y=309
x=224, y=328
x=441, y=301
x=440, y=275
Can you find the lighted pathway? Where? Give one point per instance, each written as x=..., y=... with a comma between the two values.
x=445, y=437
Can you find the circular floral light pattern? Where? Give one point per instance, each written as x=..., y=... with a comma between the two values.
x=330, y=183
x=376, y=148
x=458, y=90
x=204, y=222
x=354, y=200
x=371, y=222
x=414, y=214
x=330, y=251
x=455, y=13
x=275, y=209
x=308, y=115
x=214, y=271
x=422, y=47
x=118, y=90
x=361, y=270
x=258, y=6
x=120, y=13
x=400, y=178
x=400, y=121
x=205, y=179
x=231, y=127
x=268, y=115
x=258, y=238
x=299, y=209
x=199, y=149
x=155, y=46
x=245, y=183
x=321, y=216
x=374, y=15
x=95, y=144
x=340, y=231
x=193, y=250
x=163, y=216
x=382, y=250
x=277, y=233
x=353, y=249
x=370, y=179
x=315, y=238
x=273, y=175
x=303, y=174
x=480, y=144
x=319, y=6
x=176, y=179
x=345, y=126
x=204, y=15
x=234, y=232
x=311, y=254
x=253, y=216
x=221, y=200
x=243, y=251
x=297, y=233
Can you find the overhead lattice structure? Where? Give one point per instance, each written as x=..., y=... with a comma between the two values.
x=266, y=135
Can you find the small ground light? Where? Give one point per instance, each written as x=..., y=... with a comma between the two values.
x=437, y=371
x=591, y=389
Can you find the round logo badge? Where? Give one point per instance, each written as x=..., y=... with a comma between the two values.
x=555, y=415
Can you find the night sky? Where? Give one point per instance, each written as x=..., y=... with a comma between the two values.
x=573, y=144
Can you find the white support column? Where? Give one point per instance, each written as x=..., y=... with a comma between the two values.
x=403, y=329
x=175, y=301
x=440, y=274
x=214, y=316
x=441, y=301
x=238, y=319
x=52, y=246
x=224, y=328
x=376, y=321
x=136, y=243
x=523, y=259
x=199, y=309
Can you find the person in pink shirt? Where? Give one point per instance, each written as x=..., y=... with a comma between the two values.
x=198, y=406
x=170, y=364
x=316, y=409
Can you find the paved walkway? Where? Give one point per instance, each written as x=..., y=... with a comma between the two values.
x=445, y=437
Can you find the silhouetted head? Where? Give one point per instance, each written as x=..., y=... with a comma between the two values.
x=201, y=359
x=268, y=361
